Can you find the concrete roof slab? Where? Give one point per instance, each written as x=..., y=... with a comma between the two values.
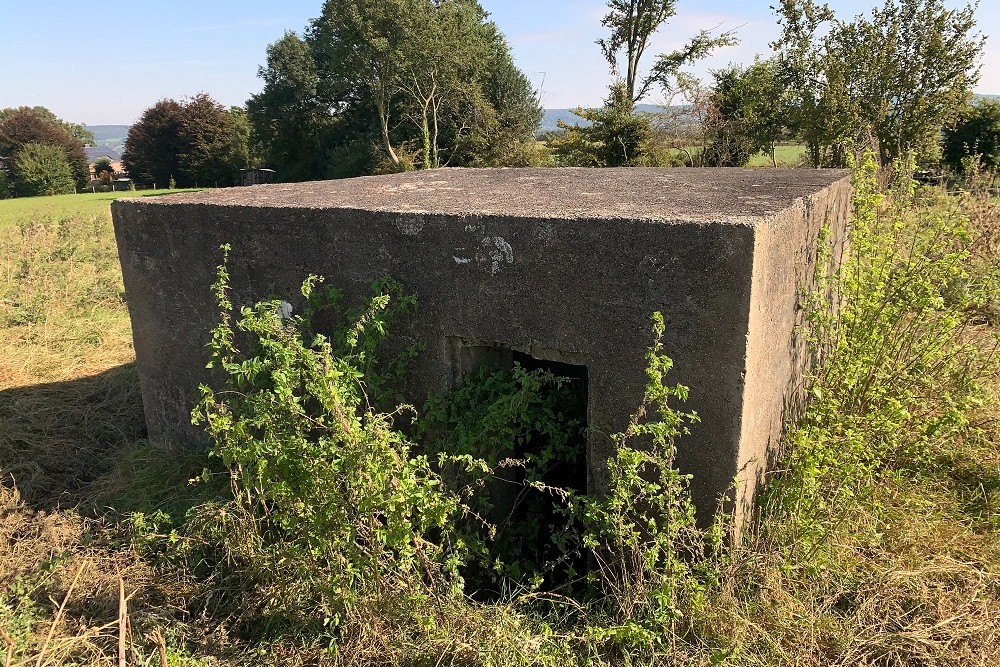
x=739, y=196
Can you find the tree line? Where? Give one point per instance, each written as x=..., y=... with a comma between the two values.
x=895, y=82
x=378, y=86
x=373, y=86
x=188, y=143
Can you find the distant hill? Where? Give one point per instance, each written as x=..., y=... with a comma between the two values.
x=111, y=136
x=552, y=116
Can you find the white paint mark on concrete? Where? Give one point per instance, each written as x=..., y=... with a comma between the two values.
x=495, y=253
x=285, y=310
x=461, y=260
x=410, y=225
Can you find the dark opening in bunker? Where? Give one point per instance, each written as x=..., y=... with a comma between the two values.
x=543, y=453
x=565, y=474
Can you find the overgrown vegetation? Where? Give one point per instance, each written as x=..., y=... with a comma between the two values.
x=876, y=542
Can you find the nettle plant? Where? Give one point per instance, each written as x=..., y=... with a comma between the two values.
x=330, y=502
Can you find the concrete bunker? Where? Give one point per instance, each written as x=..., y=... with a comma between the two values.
x=562, y=266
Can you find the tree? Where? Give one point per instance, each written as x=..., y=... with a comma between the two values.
x=103, y=165
x=887, y=82
x=293, y=124
x=154, y=143
x=42, y=169
x=387, y=85
x=632, y=24
x=75, y=130
x=508, y=115
x=24, y=125
x=212, y=152
x=244, y=147
x=617, y=136
x=975, y=137
x=195, y=142
x=747, y=114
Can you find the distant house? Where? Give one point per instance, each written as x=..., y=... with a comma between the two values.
x=96, y=153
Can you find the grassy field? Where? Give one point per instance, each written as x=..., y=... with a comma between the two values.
x=878, y=544
x=66, y=206
x=786, y=155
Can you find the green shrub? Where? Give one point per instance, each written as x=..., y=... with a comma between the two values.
x=330, y=504
x=903, y=370
x=974, y=139
x=41, y=169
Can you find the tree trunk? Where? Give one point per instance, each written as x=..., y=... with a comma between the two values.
x=383, y=116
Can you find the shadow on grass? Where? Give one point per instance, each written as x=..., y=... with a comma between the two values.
x=82, y=443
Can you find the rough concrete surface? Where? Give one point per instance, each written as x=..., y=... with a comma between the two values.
x=562, y=264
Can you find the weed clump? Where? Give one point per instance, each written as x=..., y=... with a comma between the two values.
x=330, y=505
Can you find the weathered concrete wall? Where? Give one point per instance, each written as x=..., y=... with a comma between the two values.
x=566, y=265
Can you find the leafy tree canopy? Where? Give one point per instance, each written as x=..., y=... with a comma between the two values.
x=888, y=81
x=747, y=114
x=616, y=136
x=194, y=142
x=42, y=169
x=25, y=125
x=76, y=130
x=103, y=165
x=974, y=139
x=288, y=115
x=391, y=85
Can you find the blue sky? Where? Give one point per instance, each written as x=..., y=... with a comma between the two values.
x=104, y=63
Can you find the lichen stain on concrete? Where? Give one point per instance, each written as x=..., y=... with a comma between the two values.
x=494, y=254
x=461, y=260
x=546, y=232
x=410, y=225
